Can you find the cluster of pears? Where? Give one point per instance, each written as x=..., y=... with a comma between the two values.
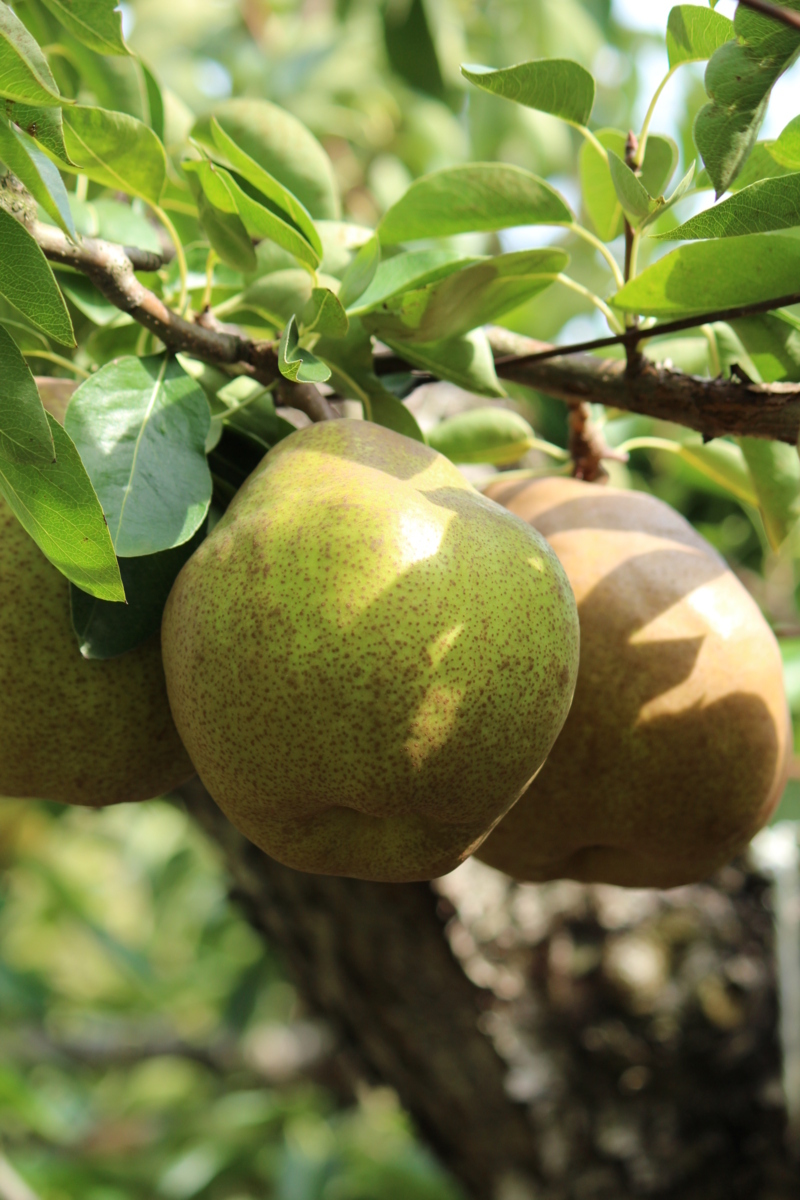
x=372, y=668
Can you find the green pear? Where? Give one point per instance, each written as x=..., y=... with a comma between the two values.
x=678, y=743
x=72, y=730
x=367, y=660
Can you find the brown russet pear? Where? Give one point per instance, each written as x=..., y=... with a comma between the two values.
x=367, y=660
x=676, y=749
x=73, y=730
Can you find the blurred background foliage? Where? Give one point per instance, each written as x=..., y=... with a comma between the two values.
x=151, y=1047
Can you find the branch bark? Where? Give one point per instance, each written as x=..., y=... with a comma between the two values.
x=713, y=407
x=372, y=959
x=111, y=270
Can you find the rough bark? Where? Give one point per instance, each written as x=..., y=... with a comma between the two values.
x=714, y=407
x=373, y=960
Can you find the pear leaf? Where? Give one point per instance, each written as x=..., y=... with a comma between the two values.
x=553, y=85
x=483, y=435
x=478, y=197
x=140, y=425
x=27, y=281
x=297, y=364
x=57, y=505
x=25, y=75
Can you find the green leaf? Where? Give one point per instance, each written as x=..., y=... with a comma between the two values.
x=25, y=435
x=739, y=79
x=140, y=425
x=552, y=85
x=350, y=362
x=786, y=150
x=390, y=412
x=359, y=274
x=480, y=197
x=404, y=272
x=45, y=125
x=277, y=297
x=224, y=193
x=761, y=207
x=224, y=229
x=324, y=314
x=634, y=198
x=694, y=33
x=465, y=361
x=24, y=72
x=116, y=151
x=725, y=465
x=473, y=296
x=290, y=206
x=107, y=630
x=297, y=364
x=57, y=505
x=772, y=341
x=483, y=435
x=35, y=170
x=114, y=222
x=410, y=47
x=599, y=193
x=680, y=191
x=95, y=23
x=704, y=276
x=775, y=470
x=27, y=281
x=81, y=292
x=280, y=144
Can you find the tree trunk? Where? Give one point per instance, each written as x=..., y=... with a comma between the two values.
x=637, y=1029
x=372, y=959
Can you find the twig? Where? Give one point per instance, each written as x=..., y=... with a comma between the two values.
x=639, y=335
x=776, y=11
x=111, y=270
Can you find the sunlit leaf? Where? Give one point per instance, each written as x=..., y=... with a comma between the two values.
x=27, y=281
x=140, y=425
x=472, y=198
x=552, y=85
x=705, y=276
x=296, y=363
x=95, y=23
x=24, y=430
x=25, y=75
x=694, y=33
x=36, y=171
x=115, y=150
x=57, y=505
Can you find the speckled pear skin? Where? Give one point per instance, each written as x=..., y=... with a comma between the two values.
x=677, y=746
x=367, y=660
x=80, y=732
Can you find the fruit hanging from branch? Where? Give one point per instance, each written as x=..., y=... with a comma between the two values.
x=676, y=749
x=367, y=660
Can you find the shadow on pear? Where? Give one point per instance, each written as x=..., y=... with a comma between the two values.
x=676, y=748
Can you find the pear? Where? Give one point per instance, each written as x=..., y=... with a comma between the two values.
x=676, y=748
x=367, y=660
x=72, y=730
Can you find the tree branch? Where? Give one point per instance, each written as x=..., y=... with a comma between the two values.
x=714, y=407
x=776, y=11
x=111, y=270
